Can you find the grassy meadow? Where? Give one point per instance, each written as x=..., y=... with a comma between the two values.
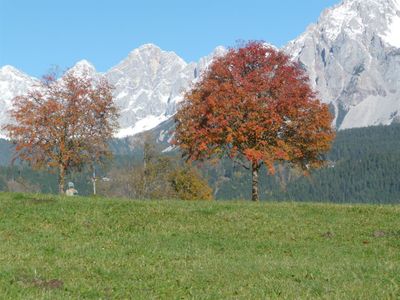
x=91, y=248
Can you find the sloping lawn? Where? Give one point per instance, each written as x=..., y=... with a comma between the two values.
x=78, y=248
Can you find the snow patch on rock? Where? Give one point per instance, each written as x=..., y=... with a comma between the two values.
x=147, y=123
x=349, y=57
x=392, y=35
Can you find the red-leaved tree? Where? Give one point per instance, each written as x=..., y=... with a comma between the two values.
x=256, y=106
x=63, y=124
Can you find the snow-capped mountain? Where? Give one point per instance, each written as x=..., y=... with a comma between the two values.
x=205, y=61
x=84, y=68
x=148, y=84
x=352, y=55
x=12, y=83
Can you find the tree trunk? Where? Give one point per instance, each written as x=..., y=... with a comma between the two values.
x=254, y=178
x=282, y=180
x=61, y=179
x=94, y=179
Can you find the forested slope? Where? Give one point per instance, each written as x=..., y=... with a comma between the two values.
x=364, y=166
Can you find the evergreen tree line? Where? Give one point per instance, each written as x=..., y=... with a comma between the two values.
x=363, y=167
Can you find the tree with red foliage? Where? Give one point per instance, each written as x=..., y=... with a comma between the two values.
x=255, y=105
x=63, y=124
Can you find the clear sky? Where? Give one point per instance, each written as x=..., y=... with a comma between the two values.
x=38, y=34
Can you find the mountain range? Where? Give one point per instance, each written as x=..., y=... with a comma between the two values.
x=352, y=56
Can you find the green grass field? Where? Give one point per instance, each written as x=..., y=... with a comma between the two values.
x=85, y=248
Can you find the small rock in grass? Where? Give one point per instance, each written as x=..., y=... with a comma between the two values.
x=379, y=233
x=328, y=234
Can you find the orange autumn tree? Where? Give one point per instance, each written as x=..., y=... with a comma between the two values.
x=255, y=105
x=63, y=124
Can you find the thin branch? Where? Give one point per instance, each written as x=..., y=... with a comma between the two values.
x=241, y=163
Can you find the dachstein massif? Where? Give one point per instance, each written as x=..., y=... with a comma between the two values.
x=352, y=55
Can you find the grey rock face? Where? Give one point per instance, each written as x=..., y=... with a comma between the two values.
x=352, y=55
x=84, y=68
x=12, y=83
x=149, y=82
x=353, y=62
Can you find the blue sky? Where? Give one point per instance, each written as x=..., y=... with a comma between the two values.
x=38, y=34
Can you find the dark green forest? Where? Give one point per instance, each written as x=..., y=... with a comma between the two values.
x=363, y=167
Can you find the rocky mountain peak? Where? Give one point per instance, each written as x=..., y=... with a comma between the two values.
x=352, y=60
x=84, y=68
x=12, y=83
x=84, y=64
x=8, y=69
x=11, y=73
x=148, y=83
x=351, y=54
x=150, y=55
x=355, y=17
x=205, y=61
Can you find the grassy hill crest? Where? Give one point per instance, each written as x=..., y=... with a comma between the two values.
x=54, y=247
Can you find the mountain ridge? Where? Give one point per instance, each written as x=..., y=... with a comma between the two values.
x=352, y=56
x=351, y=64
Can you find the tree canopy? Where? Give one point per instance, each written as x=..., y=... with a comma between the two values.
x=255, y=105
x=64, y=123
